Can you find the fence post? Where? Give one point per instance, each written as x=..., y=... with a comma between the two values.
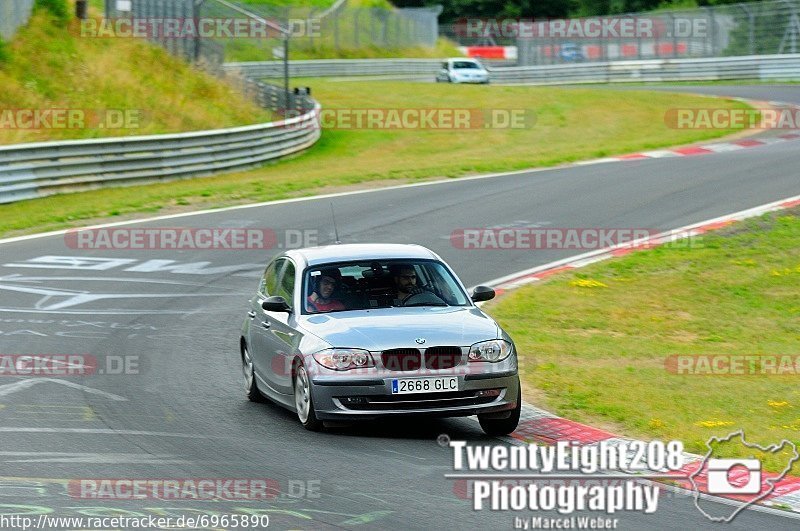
x=712, y=30
x=336, y=30
x=751, y=22
x=310, y=27
x=638, y=41
x=356, y=13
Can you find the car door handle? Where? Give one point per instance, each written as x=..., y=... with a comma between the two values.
x=251, y=314
x=265, y=324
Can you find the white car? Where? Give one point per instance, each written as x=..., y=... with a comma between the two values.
x=362, y=331
x=462, y=70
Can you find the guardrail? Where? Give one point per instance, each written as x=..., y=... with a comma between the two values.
x=763, y=67
x=35, y=170
x=337, y=67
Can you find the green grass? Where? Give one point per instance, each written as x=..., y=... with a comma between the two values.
x=50, y=67
x=302, y=49
x=355, y=32
x=571, y=124
x=598, y=354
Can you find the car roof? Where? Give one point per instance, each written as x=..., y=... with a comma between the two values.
x=361, y=251
x=470, y=59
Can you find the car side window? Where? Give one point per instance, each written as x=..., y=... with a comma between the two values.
x=444, y=65
x=270, y=280
x=285, y=288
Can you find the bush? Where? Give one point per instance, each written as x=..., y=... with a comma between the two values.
x=58, y=8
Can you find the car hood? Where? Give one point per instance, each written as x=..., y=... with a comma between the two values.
x=387, y=328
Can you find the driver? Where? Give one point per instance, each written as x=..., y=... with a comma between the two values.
x=321, y=299
x=405, y=281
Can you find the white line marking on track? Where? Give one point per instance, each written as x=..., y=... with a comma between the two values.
x=11, y=388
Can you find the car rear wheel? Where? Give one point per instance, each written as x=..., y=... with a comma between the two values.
x=504, y=426
x=303, y=401
x=251, y=388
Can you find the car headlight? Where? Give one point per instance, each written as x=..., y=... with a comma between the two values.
x=494, y=350
x=344, y=359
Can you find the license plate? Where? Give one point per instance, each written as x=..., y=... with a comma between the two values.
x=407, y=386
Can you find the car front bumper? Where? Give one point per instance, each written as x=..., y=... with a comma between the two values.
x=368, y=396
x=471, y=80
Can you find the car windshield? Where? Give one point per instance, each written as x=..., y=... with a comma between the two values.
x=465, y=64
x=380, y=284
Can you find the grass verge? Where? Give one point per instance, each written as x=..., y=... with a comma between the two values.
x=570, y=125
x=595, y=345
x=249, y=50
x=48, y=66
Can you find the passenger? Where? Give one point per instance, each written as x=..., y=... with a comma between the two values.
x=321, y=298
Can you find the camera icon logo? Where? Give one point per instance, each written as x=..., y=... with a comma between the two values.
x=734, y=476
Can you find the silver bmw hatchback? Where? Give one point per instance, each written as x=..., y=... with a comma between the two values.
x=360, y=331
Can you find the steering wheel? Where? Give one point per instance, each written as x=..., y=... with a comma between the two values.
x=423, y=297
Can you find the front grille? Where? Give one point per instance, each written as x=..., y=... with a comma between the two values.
x=420, y=400
x=402, y=359
x=442, y=357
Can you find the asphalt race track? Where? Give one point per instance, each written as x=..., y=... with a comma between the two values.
x=185, y=415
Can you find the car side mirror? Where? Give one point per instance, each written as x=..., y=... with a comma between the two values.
x=482, y=293
x=276, y=304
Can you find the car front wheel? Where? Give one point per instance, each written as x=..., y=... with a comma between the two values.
x=303, y=401
x=495, y=426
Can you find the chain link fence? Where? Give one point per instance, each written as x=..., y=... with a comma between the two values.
x=153, y=17
x=13, y=14
x=198, y=31
x=334, y=31
x=757, y=28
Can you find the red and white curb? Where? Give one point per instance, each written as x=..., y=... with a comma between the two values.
x=534, y=274
x=703, y=149
x=537, y=425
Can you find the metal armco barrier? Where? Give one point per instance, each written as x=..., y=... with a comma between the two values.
x=338, y=67
x=34, y=170
x=756, y=67
x=762, y=67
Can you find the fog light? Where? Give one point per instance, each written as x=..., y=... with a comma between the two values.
x=488, y=392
